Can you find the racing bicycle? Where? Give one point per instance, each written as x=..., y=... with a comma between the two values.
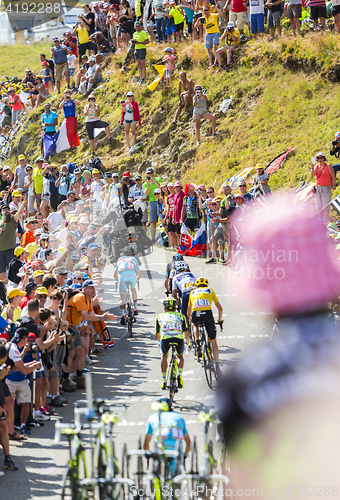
x=172, y=374
x=207, y=354
x=130, y=316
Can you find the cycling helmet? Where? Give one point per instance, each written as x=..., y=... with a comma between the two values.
x=181, y=266
x=128, y=251
x=139, y=204
x=163, y=404
x=202, y=282
x=177, y=256
x=170, y=304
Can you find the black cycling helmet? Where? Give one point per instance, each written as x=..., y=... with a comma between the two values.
x=177, y=256
x=163, y=404
x=170, y=304
x=128, y=251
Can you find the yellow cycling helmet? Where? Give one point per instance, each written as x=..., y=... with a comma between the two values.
x=202, y=282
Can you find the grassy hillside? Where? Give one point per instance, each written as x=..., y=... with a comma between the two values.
x=285, y=93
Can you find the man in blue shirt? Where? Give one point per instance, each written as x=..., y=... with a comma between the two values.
x=172, y=429
x=59, y=53
x=49, y=119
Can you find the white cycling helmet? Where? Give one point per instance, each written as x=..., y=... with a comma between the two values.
x=139, y=204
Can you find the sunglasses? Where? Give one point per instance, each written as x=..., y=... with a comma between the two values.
x=55, y=298
x=80, y=279
x=242, y=186
x=319, y=157
x=63, y=274
x=91, y=99
x=214, y=204
x=206, y=10
x=41, y=296
x=29, y=170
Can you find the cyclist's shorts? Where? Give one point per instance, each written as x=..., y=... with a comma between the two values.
x=207, y=318
x=184, y=304
x=125, y=280
x=165, y=345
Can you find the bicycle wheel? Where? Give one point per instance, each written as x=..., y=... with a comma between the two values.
x=208, y=365
x=72, y=476
x=124, y=472
x=129, y=318
x=140, y=473
x=172, y=379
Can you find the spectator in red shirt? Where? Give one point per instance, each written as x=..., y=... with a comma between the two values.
x=30, y=289
x=238, y=14
x=178, y=205
x=71, y=42
x=28, y=236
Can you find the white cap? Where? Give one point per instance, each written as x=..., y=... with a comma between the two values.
x=231, y=24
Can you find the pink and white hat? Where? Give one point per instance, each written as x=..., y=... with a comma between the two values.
x=178, y=184
x=287, y=265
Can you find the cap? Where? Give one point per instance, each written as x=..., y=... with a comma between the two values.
x=16, y=193
x=59, y=270
x=115, y=174
x=157, y=191
x=95, y=171
x=40, y=158
x=77, y=171
x=91, y=96
x=137, y=177
x=15, y=292
x=31, y=336
x=41, y=290
x=93, y=246
x=31, y=219
x=30, y=287
x=44, y=236
x=64, y=203
x=167, y=49
x=44, y=63
x=178, y=184
x=238, y=195
x=47, y=104
x=231, y=24
x=126, y=174
x=67, y=33
x=88, y=283
x=20, y=157
x=4, y=337
x=38, y=273
x=149, y=170
x=84, y=56
x=84, y=220
x=10, y=89
x=46, y=221
x=38, y=231
x=202, y=187
x=171, y=184
x=74, y=220
x=107, y=175
x=56, y=39
x=320, y=153
x=129, y=94
x=258, y=166
x=18, y=251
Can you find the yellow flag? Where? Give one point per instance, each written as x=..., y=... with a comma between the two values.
x=160, y=68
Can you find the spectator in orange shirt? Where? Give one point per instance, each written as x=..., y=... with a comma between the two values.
x=28, y=237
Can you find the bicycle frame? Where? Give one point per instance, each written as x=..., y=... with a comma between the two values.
x=130, y=312
x=172, y=384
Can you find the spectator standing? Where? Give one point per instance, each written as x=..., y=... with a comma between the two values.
x=92, y=121
x=190, y=212
x=185, y=93
x=177, y=12
x=59, y=53
x=128, y=183
x=293, y=10
x=8, y=228
x=71, y=42
x=189, y=12
x=50, y=64
x=212, y=37
x=140, y=39
x=201, y=111
x=325, y=182
x=169, y=21
x=88, y=18
x=318, y=11
x=149, y=186
x=262, y=178
x=16, y=105
x=246, y=196
x=49, y=120
x=53, y=174
x=99, y=19
x=238, y=14
x=274, y=17
x=137, y=192
x=47, y=75
x=232, y=37
x=158, y=11
x=68, y=105
x=20, y=255
x=63, y=183
x=169, y=60
x=82, y=30
x=177, y=207
x=130, y=117
x=38, y=181
x=257, y=17
x=173, y=243
x=20, y=173
x=6, y=114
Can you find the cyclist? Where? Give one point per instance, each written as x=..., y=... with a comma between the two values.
x=127, y=272
x=170, y=268
x=183, y=282
x=172, y=429
x=199, y=309
x=170, y=328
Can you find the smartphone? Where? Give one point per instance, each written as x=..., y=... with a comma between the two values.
x=313, y=160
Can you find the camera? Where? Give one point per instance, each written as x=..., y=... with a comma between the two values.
x=122, y=102
x=33, y=347
x=229, y=30
x=334, y=143
x=148, y=177
x=197, y=92
x=63, y=174
x=202, y=20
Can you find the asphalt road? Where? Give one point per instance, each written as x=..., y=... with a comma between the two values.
x=130, y=373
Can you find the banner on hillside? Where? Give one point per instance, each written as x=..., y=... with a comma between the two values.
x=160, y=68
x=278, y=162
x=233, y=181
x=65, y=138
x=305, y=193
x=194, y=247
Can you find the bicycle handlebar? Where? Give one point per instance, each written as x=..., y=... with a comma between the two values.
x=220, y=323
x=153, y=454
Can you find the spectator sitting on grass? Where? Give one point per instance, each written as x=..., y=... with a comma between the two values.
x=92, y=77
x=232, y=36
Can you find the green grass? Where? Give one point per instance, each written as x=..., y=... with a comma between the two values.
x=14, y=59
x=275, y=106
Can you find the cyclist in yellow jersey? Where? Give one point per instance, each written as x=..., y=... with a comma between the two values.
x=199, y=308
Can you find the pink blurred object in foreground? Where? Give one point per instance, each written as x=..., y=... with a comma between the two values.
x=287, y=267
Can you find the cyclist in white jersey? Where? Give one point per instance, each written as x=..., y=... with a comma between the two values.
x=127, y=272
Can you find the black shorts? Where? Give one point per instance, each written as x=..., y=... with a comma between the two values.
x=54, y=201
x=178, y=228
x=189, y=27
x=4, y=392
x=165, y=345
x=191, y=224
x=90, y=126
x=140, y=54
x=335, y=11
x=5, y=258
x=207, y=318
x=179, y=27
x=171, y=227
x=317, y=12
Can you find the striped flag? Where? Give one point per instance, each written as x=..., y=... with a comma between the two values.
x=336, y=204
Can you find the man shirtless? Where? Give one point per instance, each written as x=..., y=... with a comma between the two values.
x=185, y=92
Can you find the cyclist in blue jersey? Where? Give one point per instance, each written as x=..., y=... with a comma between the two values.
x=183, y=282
x=170, y=427
x=170, y=329
x=127, y=273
